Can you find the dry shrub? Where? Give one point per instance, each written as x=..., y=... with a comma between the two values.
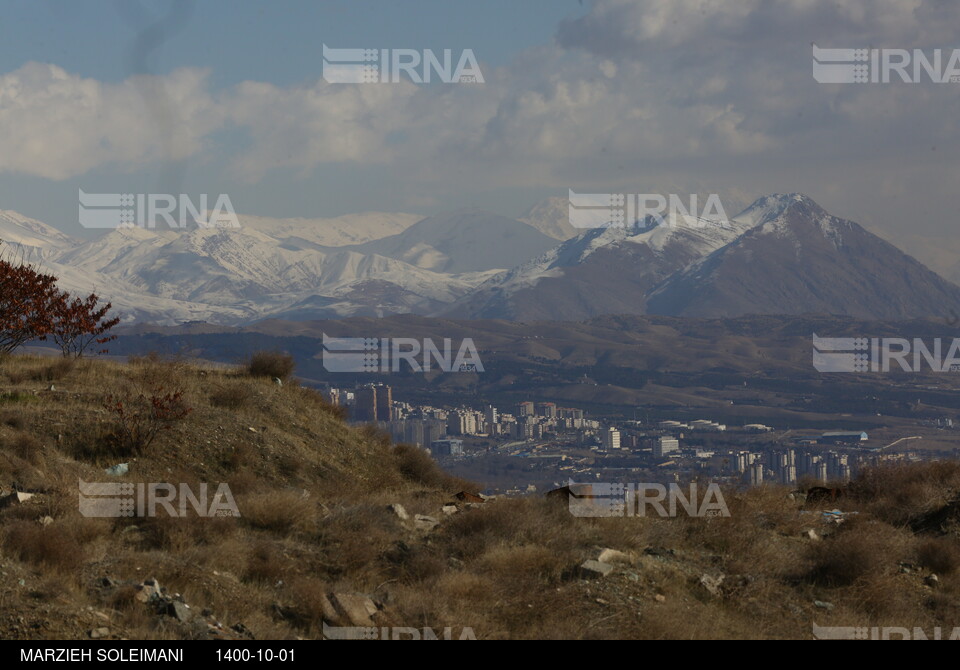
x=900, y=494
x=469, y=535
x=281, y=513
x=306, y=596
x=55, y=548
x=417, y=466
x=412, y=564
x=141, y=417
x=941, y=555
x=859, y=549
x=266, y=564
x=57, y=370
x=24, y=446
x=272, y=364
x=231, y=397
x=12, y=420
x=525, y=564
x=355, y=537
x=178, y=534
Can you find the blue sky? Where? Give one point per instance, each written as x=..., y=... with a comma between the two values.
x=266, y=41
x=642, y=96
x=237, y=41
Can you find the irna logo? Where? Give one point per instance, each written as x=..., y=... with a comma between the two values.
x=372, y=354
x=377, y=66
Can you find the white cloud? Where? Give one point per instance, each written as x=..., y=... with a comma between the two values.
x=57, y=125
x=718, y=95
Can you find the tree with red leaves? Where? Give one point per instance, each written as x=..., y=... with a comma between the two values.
x=27, y=300
x=79, y=323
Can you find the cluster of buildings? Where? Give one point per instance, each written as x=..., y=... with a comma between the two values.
x=555, y=441
x=431, y=427
x=786, y=467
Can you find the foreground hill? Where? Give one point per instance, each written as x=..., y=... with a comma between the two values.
x=315, y=541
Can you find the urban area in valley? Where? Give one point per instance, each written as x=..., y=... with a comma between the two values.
x=537, y=446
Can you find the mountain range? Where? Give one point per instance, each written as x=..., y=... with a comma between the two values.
x=782, y=255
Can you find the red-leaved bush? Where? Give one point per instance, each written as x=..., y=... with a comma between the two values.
x=32, y=307
x=27, y=300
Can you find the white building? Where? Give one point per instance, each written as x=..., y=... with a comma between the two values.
x=611, y=438
x=666, y=445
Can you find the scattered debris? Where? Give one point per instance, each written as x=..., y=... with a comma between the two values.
x=148, y=590
x=155, y=598
x=45, y=520
x=833, y=516
x=613, y=556
x=593, y=569
x=819, y=604
x=810, y=534
x=15, y=498
x=118, y=469
x=99, y=633
x=712, y=584
x=357, y=610
x=422, y=522
x=278, y=381
x=399, y=510
x=932, y=581
x=449, y=509
x=179, y=611
x=658, y=551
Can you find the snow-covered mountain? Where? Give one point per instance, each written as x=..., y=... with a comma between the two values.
x=601, y=271
x=467, y=240
x=798, y=259
x=551, y=217
x=33, y=239
x=268, y=267
x=782, y=254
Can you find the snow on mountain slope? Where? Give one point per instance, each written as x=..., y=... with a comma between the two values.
x=601, y=271
x=36, y=237
x=781, y=253
x=236, y=275
x=467, y=240
x=799, y=259
x=551, y=217
x=334, y=232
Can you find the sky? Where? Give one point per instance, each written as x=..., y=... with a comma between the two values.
x=636, y=96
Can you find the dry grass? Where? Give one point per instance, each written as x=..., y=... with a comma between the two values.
x=272, y=364
x=313, y=496
x=940, y=555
